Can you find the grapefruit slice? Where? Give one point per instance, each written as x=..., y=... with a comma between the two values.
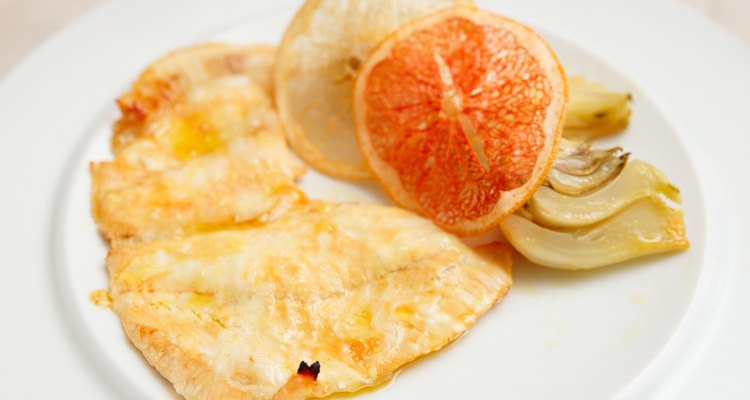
x=459, y=115
x=318, y=58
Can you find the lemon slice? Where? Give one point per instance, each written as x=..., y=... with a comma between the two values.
x=318, y=59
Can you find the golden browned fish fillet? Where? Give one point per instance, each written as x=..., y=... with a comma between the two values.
x=208, y=152
x=359, y=289
x=167, y=83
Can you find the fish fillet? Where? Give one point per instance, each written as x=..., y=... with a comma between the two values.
x=360, y=289
x=207, y=153
x=166, y=84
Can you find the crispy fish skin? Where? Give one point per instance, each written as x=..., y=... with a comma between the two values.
x=361, y=289
x=207, y=152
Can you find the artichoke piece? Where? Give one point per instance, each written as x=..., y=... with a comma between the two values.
x=646, y=227
x=595, y=110
x=637, y=180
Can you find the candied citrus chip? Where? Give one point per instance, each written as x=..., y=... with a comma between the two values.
x=459, y=115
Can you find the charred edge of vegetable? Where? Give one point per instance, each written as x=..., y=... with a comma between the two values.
x=310, y=371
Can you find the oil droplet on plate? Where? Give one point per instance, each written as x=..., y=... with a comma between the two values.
x=101, y=298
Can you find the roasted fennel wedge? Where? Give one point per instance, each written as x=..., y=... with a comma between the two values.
x=595, y=110
x=577, y=158
x=572, y=184
x=636, y=181
x=579, y=169
x=646, y=227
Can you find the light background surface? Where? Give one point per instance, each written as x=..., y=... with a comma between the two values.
x=26, y=23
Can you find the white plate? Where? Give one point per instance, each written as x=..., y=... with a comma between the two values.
x=668, y=327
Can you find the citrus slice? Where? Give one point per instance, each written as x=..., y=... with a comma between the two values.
x=318, y=58
x=459, y=114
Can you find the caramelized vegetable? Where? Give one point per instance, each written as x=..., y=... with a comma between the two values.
x=595, y=110
x=637, y=180
x=579, y=169
x=647, y=227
